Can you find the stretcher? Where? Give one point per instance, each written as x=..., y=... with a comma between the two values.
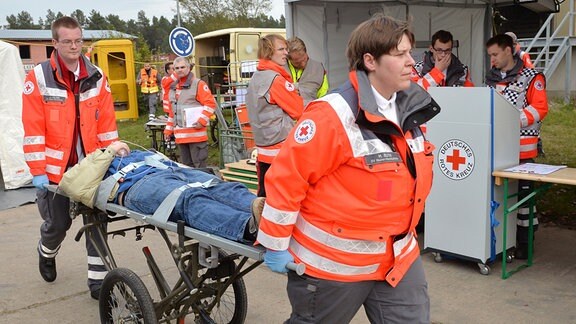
x=210, y=289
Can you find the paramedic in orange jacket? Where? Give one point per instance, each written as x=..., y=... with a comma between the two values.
x=441, y=68
x=166, y=81
x=273, y=103
x=525, y=89
x=348, y=188
x=524, y=56
x=67, y=113
x=191, y=106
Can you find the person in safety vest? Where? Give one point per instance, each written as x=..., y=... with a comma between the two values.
x=67, y=113
x=439, y=67
x=525, y=89
x=524, y=56
x=273, y=103
x=226, y=209
x=166, y=81
x=309, y=76
x=148, y=81
x=191, y=106
x=348, y=187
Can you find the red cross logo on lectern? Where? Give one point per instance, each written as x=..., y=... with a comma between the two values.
x=455, y=159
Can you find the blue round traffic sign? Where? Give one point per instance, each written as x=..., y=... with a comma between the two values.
x=181, y=41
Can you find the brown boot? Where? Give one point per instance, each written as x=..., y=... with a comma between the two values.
x=257, y=208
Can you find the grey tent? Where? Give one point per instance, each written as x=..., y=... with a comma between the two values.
x=325, y=26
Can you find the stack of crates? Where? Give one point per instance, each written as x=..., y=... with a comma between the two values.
x=236, y=141
x=241, y=171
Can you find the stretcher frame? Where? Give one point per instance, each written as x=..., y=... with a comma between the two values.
x=211, y=268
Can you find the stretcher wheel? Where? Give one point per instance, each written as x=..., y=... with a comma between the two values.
x=232, y=307
x=125, y=299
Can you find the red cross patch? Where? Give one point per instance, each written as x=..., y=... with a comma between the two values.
x=289, y=86
x=305, y=131
x=539, y=85
x=28, y=87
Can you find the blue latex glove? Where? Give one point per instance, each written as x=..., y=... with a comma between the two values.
x=277, y=260
x=39, y=181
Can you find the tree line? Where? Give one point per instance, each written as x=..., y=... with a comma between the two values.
x=198, y=16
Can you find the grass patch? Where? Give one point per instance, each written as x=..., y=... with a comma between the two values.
x=134, y=131
x=558, y=205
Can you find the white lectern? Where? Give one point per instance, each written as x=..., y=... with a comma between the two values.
x=477, y=132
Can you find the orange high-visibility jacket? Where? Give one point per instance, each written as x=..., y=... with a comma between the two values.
x=273, y=104
x=347, y=189
x=49, y=115
x=525, y=89
x=149, y=84
x=189, y=92
x=426, y=75
x=166, y=82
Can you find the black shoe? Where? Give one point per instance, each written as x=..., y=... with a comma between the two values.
x=521, y=252
x=95, y=294
x=47, y=267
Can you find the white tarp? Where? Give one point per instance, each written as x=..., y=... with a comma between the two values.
x=325, y=26
x=14, y=168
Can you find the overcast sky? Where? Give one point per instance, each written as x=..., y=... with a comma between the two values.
x=126, y=9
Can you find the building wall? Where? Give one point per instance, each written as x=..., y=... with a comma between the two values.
x=555, y=85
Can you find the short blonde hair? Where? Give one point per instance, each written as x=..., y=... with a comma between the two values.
x=266, y=45
x=295, y=44
x=376, y=36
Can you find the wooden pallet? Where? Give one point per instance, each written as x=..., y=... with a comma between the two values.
x=241, y=172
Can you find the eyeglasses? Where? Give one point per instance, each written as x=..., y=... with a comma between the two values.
x=68, y=42
x=443, y=51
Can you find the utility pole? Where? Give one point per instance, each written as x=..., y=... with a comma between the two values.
x=178, y=11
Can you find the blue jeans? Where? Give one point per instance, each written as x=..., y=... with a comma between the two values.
x=223, y=209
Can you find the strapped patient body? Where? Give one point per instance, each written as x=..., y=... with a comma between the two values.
x=105, y=191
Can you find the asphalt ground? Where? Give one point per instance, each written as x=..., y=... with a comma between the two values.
x=543, y=293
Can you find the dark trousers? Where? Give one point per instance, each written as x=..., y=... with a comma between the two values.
x=55, y=211
x=324, y=301
x=194, y=155
x=524, y=189
x=261, y=169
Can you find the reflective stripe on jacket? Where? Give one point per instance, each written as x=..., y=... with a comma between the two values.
x=189, y=92
x=273, y=104
x=149, y=84
x=348, y=187
x=49, y=112
x=166, y=82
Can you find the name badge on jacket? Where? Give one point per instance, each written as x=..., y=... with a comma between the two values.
x=383, y=157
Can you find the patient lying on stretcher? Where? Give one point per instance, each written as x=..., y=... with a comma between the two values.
x=141, y=180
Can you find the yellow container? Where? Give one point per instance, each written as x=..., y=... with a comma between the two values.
x=116, y=58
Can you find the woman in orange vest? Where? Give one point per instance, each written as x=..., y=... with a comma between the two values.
x=348, y=187
x=273, y=103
